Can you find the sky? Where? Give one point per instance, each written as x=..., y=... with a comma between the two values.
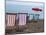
x=26, y=7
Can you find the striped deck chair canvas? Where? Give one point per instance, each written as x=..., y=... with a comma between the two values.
x=11, y=20
x=22, y=19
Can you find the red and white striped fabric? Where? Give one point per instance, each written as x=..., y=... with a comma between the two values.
x=11, y=20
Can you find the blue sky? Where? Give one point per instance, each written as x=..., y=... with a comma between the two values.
x=17, y=7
